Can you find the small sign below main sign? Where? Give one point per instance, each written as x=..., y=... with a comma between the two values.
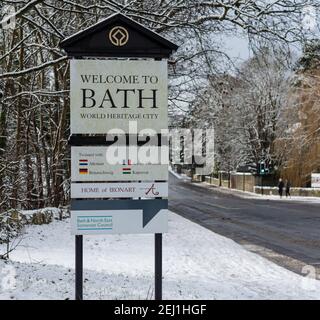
x=119, y=216
x=119, y=190
x=91, y=164
x=116, y=222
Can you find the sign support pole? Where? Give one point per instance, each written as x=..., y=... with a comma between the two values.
x=158, y=266
x=79, y=267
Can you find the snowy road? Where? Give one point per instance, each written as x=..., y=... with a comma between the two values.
x=287, y=232
x=197, y=264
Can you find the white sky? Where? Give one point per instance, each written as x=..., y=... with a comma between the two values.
x=237, y=47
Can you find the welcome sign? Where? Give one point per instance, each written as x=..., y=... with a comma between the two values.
x=107, y=94
x=118, y=90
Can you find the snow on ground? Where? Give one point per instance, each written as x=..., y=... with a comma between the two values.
x=246, y=194
x=256, y=196
x=251, y=195
x=179, y=176
x=277, y=198
x=198, y=264
x=54, y=211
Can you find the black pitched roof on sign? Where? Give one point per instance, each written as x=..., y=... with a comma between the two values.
x=118, y=36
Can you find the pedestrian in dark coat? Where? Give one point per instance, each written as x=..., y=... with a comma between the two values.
x=288, y=186
x=280, y=187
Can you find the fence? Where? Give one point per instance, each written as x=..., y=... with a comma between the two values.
x=257, y=184
x=304, y=192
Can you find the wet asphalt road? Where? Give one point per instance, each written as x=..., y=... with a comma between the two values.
x=290, y=229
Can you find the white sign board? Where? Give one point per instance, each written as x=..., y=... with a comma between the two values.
x=119, y=190
x=116, y=222
x=315, y=180
x=107, y=94
x=90, y=164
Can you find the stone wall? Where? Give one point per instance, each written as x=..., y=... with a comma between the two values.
x=217, y=182
x=250, y=183
x=304, y=192
x=243, y=181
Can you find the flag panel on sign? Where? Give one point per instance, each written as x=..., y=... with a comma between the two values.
x=91, y=164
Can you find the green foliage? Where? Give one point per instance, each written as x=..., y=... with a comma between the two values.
x=311, y=56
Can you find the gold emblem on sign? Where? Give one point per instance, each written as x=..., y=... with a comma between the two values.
x=118, y=36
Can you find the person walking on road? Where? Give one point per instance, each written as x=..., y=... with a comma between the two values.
x=280, y=187
x=288, y=188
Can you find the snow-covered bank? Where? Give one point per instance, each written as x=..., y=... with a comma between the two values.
x=249, y=195
x=198, y=264
x=179, y=176
x=252, y=195
x=246, y=194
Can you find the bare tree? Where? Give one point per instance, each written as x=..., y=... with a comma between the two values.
x=298, y=143
x=34, y=127
x=244, y=109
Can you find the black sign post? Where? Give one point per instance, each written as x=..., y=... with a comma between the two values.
x=118, y=37
x=79, y=267
x=158, y=266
